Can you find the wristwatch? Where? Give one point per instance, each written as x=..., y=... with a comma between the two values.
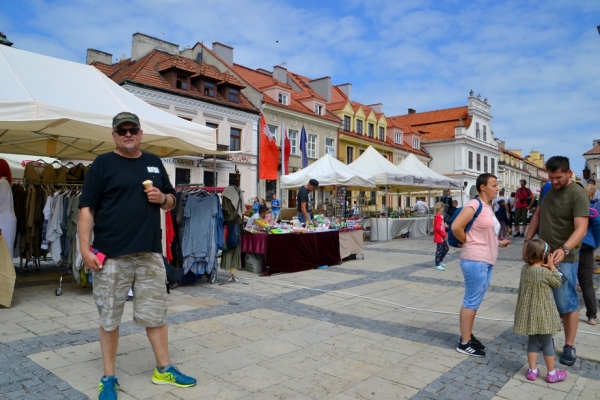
x=565, y=249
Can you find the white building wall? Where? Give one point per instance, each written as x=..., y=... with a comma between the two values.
x=226, y=118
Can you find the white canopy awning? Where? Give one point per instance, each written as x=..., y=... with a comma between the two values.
x=329, y=172
x=57, y=108
x=432, y=179
x=385, y=173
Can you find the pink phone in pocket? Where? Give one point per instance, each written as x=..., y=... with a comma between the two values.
x=101, y=256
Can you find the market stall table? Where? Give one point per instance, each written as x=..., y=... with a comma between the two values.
x=351, y=242
x=294, y=252
x=416, y=227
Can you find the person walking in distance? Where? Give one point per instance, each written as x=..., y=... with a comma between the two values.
x=524, y=198
x=561, y=220
x=477, y=259
x=440, y=238
x=121, y=202
x=275, y=207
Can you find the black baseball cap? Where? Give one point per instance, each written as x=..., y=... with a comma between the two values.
x=314, y=183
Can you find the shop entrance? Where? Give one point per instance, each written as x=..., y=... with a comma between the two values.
x=270, y=190
x=292, y=198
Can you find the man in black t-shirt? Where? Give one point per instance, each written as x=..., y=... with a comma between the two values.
x=123, y=194
x=447, y=200
x=303, y=200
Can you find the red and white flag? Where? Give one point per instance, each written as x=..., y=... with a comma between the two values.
x=285, y=149
x=269, y=153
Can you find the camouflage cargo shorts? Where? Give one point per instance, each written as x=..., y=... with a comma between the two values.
x=146, y=272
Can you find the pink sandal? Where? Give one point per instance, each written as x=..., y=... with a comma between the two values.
x=559, y=376
x=532, y=375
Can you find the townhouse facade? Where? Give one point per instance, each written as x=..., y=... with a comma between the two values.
x=592, y=162
x=459, y=140
x=195, y=90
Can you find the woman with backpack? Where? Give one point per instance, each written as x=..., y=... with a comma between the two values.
x=585, y=268
x=477, y=259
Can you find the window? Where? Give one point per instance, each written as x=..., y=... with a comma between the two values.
x=346, y=123
x=470, y=160
x=214, y=126
x=484, y=133
x=415, y=143
x=283, y=99
x=493, y=160
x=382, y=133
x=349, y=154
x=485, y=163
x=397, y=138
x=318, y=109
x=209, y=178
x=359, y=127
x=235, y=139
x=208, y=89
x=181, y=82
x=478, y=162
x=400, y=159
x=373, y=199
x=329, y=142
x=182, y=176
x=311, y=148
x=360, y=152
x=273, y=130
x=371, y=129
x=233, y=95
x=293, y=141
x=477, y=133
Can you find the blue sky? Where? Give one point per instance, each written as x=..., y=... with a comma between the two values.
x=537, y=62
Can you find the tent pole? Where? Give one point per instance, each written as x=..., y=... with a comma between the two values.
x=429, y=213
x=215, y=173
x=387, y=216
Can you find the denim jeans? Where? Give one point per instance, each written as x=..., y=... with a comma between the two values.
x=566, y=295
x=477, y=276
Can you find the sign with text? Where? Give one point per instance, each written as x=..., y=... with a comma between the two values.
x=179, y=161
x=220, y=167
x=239, y=158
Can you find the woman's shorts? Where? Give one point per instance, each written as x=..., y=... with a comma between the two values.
x=477, y=276
x=146, y=272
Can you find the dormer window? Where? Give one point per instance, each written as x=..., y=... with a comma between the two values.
x=318, y=109
x=283, y=99
x=182, y=82
x=359, y=127
x=371, y=130
x=415, y=143
x=208, y=89
x=233, y=95
x=397, y=138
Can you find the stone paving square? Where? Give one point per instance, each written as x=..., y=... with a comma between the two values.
x=274, y=338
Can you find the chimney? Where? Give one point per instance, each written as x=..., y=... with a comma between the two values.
x=501, y=144
x=378, y=108
x=459, y=131
x=323, y=87
x=223, y=51
x=143, y=44
x=346, y=88
x=97, y=55
x=412, y=111
x=280, y=74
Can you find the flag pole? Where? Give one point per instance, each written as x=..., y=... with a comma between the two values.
x=281, y=144
x=258, y=159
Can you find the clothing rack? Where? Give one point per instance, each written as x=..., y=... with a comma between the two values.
x=52, y=186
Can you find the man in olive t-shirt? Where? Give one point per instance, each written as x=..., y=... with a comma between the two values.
x=561, y=220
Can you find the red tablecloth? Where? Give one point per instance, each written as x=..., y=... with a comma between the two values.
x=294, y=252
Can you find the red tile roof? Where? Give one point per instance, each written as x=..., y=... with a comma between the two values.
x=595, y=150
x=437, y=124
x=261, y=81
x=146, y=71
x=337, y=95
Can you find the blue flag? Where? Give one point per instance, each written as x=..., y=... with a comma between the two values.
x=303, y=147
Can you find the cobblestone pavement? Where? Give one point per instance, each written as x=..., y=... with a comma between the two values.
x=366, y=332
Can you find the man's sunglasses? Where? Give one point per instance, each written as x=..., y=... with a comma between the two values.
x=123, y=131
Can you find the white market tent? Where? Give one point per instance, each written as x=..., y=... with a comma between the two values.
x=433, y=179
x=57, y=108
x=329, y=172
x=385, y=172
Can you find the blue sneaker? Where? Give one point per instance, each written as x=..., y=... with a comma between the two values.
x=107, y=388
x=172, y=376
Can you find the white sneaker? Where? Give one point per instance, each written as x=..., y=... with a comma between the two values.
x=440, y=268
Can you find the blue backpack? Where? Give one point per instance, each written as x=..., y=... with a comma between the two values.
x=452, y=240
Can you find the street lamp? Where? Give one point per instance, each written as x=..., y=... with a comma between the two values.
x=586, y=172
x=598, y=27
